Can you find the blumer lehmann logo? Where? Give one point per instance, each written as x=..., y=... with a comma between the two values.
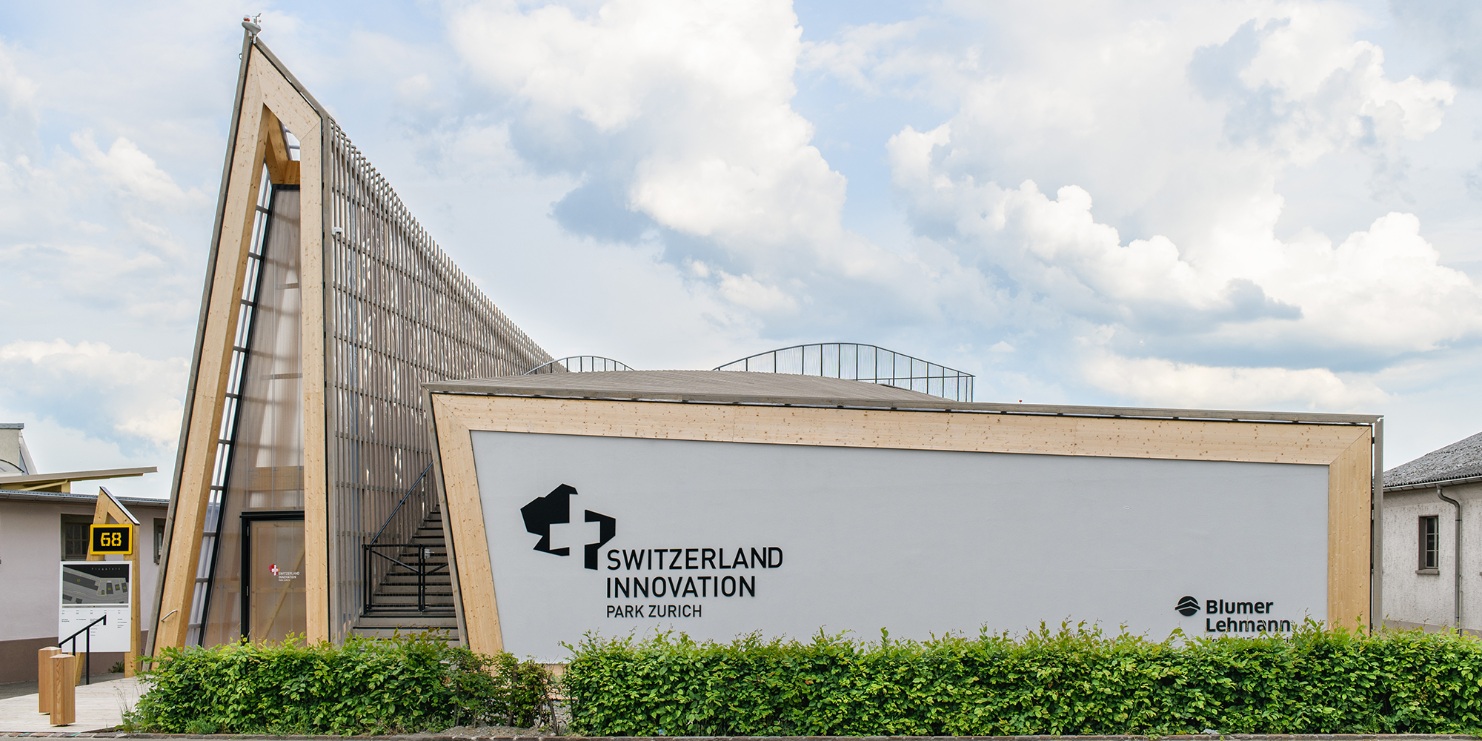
x=1187, y=606
x=555, y=509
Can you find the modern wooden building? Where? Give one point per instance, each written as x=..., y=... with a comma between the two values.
x=326, y=306
x=334, y=462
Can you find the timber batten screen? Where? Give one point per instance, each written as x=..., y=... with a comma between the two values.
x=326, y=307
x=400, y=313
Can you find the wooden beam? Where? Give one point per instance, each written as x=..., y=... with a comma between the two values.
x=277, y=154
x=1350, y=501
x=463, y=518
x=1168, y=439
x=303, y=121
x=109, y=510
x=198, y=451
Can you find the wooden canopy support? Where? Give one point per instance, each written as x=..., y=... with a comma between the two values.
x=110, y=511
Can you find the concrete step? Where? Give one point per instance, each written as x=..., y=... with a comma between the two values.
x=442, y=577
x=409, y=590
x=431, y=568
x=410, y=598
x=407, y=621
x=409, y=556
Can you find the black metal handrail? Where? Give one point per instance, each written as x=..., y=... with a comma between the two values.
x=87, y=661
x=400, y=503
x=409, y=513
x=372, y=552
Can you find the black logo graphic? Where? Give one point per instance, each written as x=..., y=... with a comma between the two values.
x=555, y=509
x=1187, y=606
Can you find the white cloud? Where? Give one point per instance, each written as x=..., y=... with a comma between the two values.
x=17, y=91
x=748, y=292
x=132, y=171
x=1231, y=279
x=1162, y=382
x=1322, y=90
x=685, y=107
x=93, y=388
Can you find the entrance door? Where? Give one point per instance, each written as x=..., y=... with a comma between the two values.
x=273, y=603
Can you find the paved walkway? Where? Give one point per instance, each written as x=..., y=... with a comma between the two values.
x=100, y=705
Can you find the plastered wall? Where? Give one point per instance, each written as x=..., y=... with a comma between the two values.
x=30, y=549
x=1412, y=598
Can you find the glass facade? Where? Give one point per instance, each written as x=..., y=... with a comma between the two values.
x=261, y=458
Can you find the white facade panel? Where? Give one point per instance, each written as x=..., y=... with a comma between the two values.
x=729, y=538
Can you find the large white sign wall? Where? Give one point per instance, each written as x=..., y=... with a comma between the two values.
x=718, y=539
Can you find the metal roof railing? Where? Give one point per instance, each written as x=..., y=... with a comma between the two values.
x=578, y=364
x=857, y=362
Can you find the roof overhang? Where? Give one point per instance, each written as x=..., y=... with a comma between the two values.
x=1438, y=484
x=775, y=389
x=61, y=480
x=56, y=497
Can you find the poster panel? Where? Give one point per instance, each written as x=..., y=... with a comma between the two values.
x=91, y=590
x=622, y=536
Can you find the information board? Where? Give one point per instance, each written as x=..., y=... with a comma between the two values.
x=91, y=590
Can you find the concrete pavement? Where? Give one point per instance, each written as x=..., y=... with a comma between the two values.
x=100, y=705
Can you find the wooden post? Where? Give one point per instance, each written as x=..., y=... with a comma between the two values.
x=43, y=678
x=109, y=510
x=63, y=690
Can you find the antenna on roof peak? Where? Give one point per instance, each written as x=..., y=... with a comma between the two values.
x=253, y=24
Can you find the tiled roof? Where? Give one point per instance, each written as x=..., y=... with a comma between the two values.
x=1459, y=460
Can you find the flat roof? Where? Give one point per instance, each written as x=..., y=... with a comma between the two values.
x=783, y=389
x=74, y=497
x=61, y=476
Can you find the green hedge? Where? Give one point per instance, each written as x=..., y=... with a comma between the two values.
x=401, y=685
x=1068, y=681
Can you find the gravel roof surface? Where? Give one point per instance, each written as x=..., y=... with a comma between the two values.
x=1460, y=459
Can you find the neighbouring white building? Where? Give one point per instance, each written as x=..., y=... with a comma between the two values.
x=1433, y=539
x=44, y=522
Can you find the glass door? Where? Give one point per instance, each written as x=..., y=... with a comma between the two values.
x=273, y=601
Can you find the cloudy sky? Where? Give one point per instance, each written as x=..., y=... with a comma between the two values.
x=1254, y=205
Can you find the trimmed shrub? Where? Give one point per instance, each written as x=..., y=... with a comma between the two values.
x=401, y=685
x=1074, y=680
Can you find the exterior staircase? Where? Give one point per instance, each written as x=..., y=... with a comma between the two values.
x=415, y=591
